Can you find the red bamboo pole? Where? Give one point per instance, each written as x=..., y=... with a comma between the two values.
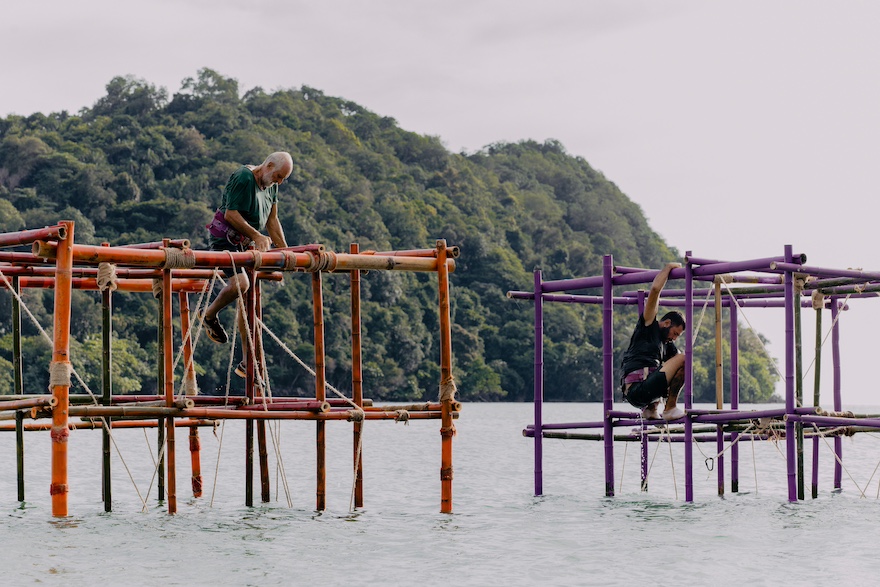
x=180, y=243
x=61, y=361
x=168, y=380
x=97, y=425
x=357, y=379
x=132, y=285
x=447, y=428
x=190, y=389
x=320, y=391
x=26, y=237
x=37, y=402
x=265, y=494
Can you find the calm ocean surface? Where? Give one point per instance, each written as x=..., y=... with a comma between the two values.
x=500, y=533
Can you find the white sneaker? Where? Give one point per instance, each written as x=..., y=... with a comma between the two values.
x=673, y=414
x=650, y=413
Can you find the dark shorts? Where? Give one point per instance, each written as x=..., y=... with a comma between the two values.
x=644, y=393
x=227, y=246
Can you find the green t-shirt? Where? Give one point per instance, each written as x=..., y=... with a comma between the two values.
x=241, y=193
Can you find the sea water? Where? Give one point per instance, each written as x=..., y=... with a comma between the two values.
x=499, y=534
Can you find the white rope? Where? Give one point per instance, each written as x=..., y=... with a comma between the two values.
x=752, y=328
x=839, y=460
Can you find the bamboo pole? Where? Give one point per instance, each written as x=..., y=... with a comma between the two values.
x=160, y=389
x=61, y=362
x=607, y=369
x=357, y=379
x=719, y=386
x=190, y=387
x=447, y=383
x=265, y=494
x=248, y=351
x=107, y=388
x=320, y=392
x=816, y=395
x=539, y=383
x=799, y=384
x=26, y=237
x=168, y=342
x=790, y=448
x=734, y=393
x=17, y=384
x=689, y=383
x=835, y=389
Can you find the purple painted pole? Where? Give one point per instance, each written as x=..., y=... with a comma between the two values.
x=539, y=385
x=689, y=383
x=644, y=443
x=608, y=371
x=838, y=406
x=790, y=440
x=734, y=395
x=825, y=272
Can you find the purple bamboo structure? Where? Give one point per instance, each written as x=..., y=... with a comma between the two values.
x=776, y=279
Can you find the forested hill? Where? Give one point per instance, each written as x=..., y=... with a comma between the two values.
x=139, y=165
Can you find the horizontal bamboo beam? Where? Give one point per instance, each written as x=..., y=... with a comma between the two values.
x=26, y=237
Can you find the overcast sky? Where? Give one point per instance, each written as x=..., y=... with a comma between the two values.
x=738, y=127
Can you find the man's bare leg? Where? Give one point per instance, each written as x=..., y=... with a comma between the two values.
x=674, y=371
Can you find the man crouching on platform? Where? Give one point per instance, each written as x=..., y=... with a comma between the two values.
x=652, y=367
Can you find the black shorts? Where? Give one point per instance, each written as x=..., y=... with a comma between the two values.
x=227, y=246
x=644, y=393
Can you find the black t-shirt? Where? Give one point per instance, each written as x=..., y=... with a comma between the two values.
x=646, y=349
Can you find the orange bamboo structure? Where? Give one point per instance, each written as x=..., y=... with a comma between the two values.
x=58, y=263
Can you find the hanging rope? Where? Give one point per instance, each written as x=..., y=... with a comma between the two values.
x=107, y=279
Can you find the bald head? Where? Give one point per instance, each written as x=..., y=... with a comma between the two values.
x=275, y=169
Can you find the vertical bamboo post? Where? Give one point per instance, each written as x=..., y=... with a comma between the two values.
x=447, y=382
x=835, y=387
x=689, y=382
x=160, y=424
x=60, y=372
x=320, y=392
x=539, y=385
x=608, y=371
x=168, y=371
x=790, y=441
x=249, y=351
x=799, y=384
x=18, y=385
x=816, y=379
x=265, y=494
x=190, y=388
x=357, y=378
x=107, y=389
x=734, y=392
x=644, y=441
x=719, y=385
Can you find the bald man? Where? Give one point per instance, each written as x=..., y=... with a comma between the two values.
x=249, y=206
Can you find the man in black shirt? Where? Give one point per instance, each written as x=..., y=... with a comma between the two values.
x=652, y=367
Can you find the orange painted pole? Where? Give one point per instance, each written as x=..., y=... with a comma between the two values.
x=60, y=373
x=320, y=391
x=168, y=380
x=247, y=351
x=265, y=494
x=190, y=388
x=26, y=237
x=447, y=384
x=357, y=378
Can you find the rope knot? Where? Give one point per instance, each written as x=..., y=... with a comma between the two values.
x=447, y=390
x=356, y=415
x=179, y=258
x=107, y=279
x=59, y=374
x=402, y=416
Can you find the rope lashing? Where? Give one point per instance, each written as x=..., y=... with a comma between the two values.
x=59, y=374
x=818, y=300
x=799, y=281
x=322, y=261
x=157, y=288
x=289, y=260
x=190, y=385
x=402, y=416
x=258, y=259
x=356, y=415
x=179, y=258
x=447, y=390
x=107, y=279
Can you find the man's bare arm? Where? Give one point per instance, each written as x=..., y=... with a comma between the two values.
x=234, y=218
x=273, y=226
x=653, y=303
